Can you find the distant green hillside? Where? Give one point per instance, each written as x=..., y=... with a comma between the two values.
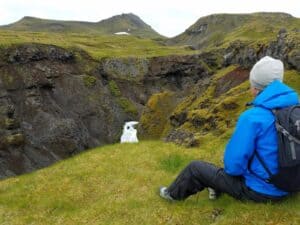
x=96, y=45
x=118, y=184
x=218, y=30
x=129, y=23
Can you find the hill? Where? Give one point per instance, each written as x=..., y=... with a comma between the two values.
x=218, y=30
x=129, y=23
x=96, y=45
x=118, y=184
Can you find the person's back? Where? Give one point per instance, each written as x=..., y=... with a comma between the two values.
x=256, y=131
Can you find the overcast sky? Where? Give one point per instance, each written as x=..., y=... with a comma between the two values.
x=168, y=17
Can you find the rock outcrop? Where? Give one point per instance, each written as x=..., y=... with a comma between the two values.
x=282, y=48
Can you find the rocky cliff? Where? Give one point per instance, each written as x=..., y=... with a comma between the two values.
x=56, y=102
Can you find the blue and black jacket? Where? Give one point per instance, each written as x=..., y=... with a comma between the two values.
x=255, y=131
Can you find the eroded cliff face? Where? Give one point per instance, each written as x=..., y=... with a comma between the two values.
x=55, y=103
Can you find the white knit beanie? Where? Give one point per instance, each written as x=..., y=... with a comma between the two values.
x=265, y=71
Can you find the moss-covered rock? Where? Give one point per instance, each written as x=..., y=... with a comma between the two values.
x=11, y=123
x=114, y=89
x=13, y=140
x=89, y=81
x=202, y=118
x=208, y=113
x=132, y=69
x=183, y=137
x=127, y=105
x=9, y=79
x=156, y=115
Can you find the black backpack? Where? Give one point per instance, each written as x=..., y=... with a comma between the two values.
x=288, y=132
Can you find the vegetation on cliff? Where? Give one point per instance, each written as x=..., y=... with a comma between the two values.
x=211, y=113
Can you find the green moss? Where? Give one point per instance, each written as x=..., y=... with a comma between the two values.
x=127, y=105
x=114, y=89
x=89, y=81
x=292, y=78
x=10, y=81
x=13, y=140
x=222, y=72
x=156, y=115
x=11, y=123
x=206, y=67
x=124, y=102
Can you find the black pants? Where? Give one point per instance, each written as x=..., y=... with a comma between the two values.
x=199, y=175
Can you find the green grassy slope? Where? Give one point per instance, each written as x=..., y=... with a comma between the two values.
x=118, y=184
x=219, y=30
x=97, y=46
x=126, y=22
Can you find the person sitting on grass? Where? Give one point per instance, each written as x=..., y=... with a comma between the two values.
x=255, y=131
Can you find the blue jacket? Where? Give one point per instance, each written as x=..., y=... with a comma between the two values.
x=255, y=129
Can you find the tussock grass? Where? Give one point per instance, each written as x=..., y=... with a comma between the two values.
x=118, y=184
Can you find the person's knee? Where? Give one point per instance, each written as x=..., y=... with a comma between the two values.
x=195, y=165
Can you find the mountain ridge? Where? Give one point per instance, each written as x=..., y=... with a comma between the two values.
x=217, y=29
x=129, y=22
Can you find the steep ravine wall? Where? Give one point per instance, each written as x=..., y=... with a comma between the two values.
x=55, y=103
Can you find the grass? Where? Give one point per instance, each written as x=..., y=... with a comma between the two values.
x=255, y=30
x=98, y=46
x=117, y=184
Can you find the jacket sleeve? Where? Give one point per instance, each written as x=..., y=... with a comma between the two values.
x=241, y=145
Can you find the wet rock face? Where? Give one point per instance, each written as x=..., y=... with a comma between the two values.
x=49, y=110
x=52, y=107
x=172, y=72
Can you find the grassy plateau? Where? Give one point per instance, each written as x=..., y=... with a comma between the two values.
x=98, y=46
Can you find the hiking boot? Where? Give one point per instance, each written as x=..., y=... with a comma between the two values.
x=164, y=193
x=212, y=194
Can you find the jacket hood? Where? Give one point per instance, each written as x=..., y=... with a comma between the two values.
x=276, y=95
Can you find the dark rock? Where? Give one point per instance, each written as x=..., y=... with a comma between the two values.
x=36, y=52
x=178, y=119
x=293, y=59
x=287, y=51
x=229, y=105
x=199, y=29
x=13, y=140
x=230, y=80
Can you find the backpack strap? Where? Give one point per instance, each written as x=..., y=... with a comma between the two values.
x=262, y=163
